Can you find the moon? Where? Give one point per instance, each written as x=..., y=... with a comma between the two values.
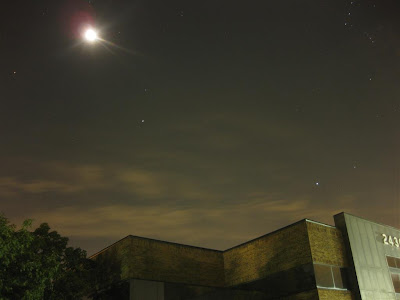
x=90, y=35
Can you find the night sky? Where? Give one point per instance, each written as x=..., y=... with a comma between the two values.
x=206, y=123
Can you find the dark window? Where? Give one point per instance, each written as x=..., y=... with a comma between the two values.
x=396, y=282
x=391, y=261
x=394, y=264
x=323, y=276
x=340, y=277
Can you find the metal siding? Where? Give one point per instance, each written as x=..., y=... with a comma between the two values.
x=369, y=257
x=374, y=249
x=365, y=245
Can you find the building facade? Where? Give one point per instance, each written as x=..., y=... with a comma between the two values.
x=355, y=259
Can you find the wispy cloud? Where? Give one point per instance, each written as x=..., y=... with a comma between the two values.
x=132, y=181
x=54, y=177
x=195, y=225
x=207, y=208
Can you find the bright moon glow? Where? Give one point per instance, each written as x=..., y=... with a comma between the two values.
x=90, y=35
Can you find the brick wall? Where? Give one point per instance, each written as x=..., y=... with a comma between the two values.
x=294, y=246
x=135, y=257
x=325, y=294
x=275, y=252
x=326, y=245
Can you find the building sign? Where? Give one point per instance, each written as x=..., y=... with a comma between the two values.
x=390, y=240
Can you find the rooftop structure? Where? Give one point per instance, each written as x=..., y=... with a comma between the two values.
x=356, y=259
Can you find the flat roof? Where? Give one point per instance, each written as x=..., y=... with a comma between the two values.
x=209, y=249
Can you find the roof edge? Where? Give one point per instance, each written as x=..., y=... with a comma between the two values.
x=104, y=249
x=264, y=235
x=222, y=251
x=362, y=218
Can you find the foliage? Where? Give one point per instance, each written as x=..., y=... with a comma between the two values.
x=39, y=265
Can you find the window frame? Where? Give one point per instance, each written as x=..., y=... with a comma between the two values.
x=334, y=287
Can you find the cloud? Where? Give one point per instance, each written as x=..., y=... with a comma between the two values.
x=8, y=187
x=207, y=206
x=196, y=225
x=141, y=182
x=12, y=186
x=54, y=177
x=66, y=179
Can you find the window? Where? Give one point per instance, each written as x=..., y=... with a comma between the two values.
x=396, y=282
x=330, y=276
x=339, y=277
x=391, y=261
x=323, y=275
x=394, y=268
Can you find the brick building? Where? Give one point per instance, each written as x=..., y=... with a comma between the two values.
x=356, y=259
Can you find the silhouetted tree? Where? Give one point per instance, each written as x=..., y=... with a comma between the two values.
x=39, y=265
